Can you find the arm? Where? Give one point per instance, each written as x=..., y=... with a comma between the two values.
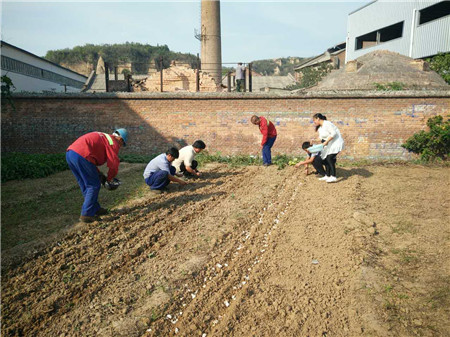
x=305, y=162
x=177, y=180
x=112, y=161
x=192, y=171
x=330, y=128
x=263, y=127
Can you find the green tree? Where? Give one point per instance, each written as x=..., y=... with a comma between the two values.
x=431, y=144
x=441, y=64
x=7, y=89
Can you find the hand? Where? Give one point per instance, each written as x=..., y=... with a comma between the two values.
x=297, y=165
x=306, y=171
x=198, y=174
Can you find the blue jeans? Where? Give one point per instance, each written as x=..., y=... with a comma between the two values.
x=159, y=179
x=266, y=153
x=86, y=174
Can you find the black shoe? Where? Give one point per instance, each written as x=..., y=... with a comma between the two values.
x=88, y=219
x=102, y=211
x=267, y=164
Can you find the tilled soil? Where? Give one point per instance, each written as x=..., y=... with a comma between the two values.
x=248, y=252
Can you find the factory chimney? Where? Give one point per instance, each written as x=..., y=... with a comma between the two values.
x=211, y=56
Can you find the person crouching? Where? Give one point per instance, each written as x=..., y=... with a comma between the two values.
x=159, y=171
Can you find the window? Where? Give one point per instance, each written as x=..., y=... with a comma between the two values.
x=434, y=12
x=379, y=36
x=19, y=67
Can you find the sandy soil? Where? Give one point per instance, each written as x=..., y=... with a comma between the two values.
x=250, y=252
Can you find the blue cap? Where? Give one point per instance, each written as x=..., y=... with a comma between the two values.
x=123, y=133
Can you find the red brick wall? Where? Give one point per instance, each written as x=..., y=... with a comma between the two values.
x=372, y=126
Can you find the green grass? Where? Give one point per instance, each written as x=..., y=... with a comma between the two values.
x=42, y=207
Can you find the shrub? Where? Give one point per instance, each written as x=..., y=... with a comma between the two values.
x=441, y=64
x=19, y=166
x=392, y=86
x=432, y=144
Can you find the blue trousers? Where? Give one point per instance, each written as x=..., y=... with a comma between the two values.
x=87, y=177
x=266, y=153
x=159, y=179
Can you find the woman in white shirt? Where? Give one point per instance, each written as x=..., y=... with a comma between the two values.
x=332, y=142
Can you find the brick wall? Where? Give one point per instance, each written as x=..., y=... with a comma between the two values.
x=373, y=125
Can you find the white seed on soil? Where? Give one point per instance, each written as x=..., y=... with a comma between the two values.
x=204, y=286
x=226, y=264
x=181, y=313
x=227, y=304
x=263, y=250
x=193, y=296
x=184, y=304
x=169, y=316
x=176, y=330
x=174, y=321
x=234, y=288
x=243, y=282
x=148, y=330
x=219, y=265
x=246, y=277
x=204, y=335
x=249, y=269
x=233, y=297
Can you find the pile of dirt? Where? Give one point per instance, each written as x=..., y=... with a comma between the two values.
x=383, y=67
x=250, y=252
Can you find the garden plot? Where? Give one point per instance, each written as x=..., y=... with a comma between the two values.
x=249, y=251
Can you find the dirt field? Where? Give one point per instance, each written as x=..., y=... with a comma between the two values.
x=249, y=252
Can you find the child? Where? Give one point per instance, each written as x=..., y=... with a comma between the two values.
x=312, y=159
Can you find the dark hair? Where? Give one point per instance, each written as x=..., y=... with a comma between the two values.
x=199, y=144
x=305, y=145
x=239, y=63
x=319, y=116
x=173, y=151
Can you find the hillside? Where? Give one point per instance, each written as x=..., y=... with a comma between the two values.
x=135, y=57
x=280, y=66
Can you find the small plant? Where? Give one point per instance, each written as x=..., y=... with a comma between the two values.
x=392, y=86
x=432, y=144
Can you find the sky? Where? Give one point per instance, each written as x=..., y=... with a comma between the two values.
x=251, y=30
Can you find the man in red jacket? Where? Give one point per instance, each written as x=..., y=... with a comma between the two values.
x=269, y=135
x=84, y=155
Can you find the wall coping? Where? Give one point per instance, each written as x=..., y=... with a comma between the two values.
x=240, y=96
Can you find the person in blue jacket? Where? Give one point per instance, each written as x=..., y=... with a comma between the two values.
x=159, y=171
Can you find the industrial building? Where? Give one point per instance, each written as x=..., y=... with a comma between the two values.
x=417, y=29
x=31, y=73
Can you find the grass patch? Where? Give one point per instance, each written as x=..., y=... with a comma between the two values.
x=406, y=255
x=45, y=206
x=403, y=227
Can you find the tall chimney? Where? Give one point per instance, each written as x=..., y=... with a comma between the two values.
x=211, y=39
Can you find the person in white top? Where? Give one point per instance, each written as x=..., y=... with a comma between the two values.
x=240, y=77
x=333, y=143
x=185, y=163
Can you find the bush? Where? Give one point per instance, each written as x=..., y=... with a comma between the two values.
x=441, y=64
x=432, y=144
x=19, y=166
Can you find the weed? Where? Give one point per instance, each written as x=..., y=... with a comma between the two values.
x=403, y=296
x=391, y=86
x=403, y=227
x=388, y=288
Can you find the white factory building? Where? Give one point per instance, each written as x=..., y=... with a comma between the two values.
x=31, y=73
x=414, y=28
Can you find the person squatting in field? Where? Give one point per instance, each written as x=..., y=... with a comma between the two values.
x=84, y=155
x=313, y=158
x=159, y=171
x=185, y=163
x=332, y=142
x=269, y=136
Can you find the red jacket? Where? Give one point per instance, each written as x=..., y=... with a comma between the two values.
x=267, y=129
x=96, y=148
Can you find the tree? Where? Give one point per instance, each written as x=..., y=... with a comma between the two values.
x=441, y=64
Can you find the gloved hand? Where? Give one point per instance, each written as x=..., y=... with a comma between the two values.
x=112, y=185
x=102, y=178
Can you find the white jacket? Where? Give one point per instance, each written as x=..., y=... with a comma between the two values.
x=335, y=145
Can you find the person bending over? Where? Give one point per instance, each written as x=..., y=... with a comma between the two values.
x=313, y=158
x=159, y=171
x=269, y=136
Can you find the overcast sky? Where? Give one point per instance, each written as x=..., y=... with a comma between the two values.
x=251, y=30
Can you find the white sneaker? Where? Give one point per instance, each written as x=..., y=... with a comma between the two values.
x=324, y=178
x=331, y=179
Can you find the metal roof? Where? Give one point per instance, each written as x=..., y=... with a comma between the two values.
x=40, y=58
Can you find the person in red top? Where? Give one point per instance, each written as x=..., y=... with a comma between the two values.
x=84, y=155
x=269, y=136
